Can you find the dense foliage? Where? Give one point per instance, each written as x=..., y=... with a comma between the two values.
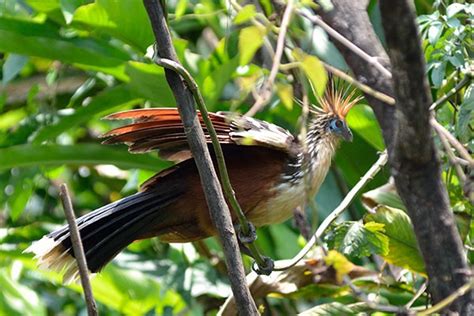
x=67, y=63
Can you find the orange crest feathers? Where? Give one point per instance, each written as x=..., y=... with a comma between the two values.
x=338, y=101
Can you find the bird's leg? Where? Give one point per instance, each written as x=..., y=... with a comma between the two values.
x=248, y=238
x=267, y=267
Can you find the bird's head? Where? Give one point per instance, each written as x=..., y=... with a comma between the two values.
x=331, y=115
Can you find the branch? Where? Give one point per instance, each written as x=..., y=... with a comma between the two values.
x=219, y=210
x=411, y=154
x=344, y=41
x=285, y=264
x=414, y=162
x=465, y=81
x=78, y=250
x=224, y=175
x=266, y=91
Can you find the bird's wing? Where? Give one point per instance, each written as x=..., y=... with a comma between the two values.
x=162, y=129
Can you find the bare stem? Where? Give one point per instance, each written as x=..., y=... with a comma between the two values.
x=344, y=41
x=465, y=81
x=284, y=264
x=266, y=91
x=78, y=250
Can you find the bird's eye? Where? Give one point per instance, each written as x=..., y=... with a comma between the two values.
x=336, y=124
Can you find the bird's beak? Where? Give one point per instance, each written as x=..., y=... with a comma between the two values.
x=346, y=134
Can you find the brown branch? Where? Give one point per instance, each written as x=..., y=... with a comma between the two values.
x=219, y=210
x=78, y=250
x=412, y=154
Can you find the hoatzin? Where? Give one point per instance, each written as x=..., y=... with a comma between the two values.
x=267, y=165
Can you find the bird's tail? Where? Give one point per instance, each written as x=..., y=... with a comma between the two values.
x=104, y=233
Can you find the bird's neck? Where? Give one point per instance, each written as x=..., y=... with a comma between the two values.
x=310, y=166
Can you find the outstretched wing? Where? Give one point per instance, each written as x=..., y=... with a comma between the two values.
x=162, y=129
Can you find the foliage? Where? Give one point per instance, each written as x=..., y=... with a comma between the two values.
x=67, y=63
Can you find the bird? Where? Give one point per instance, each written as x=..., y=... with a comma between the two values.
x=271, y=171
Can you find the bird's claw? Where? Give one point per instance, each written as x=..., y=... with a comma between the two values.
x=251, y=235
x=266, y=268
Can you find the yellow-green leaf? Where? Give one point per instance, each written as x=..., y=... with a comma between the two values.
x=314, y=70
x=339, y=263
x=244, y=15
x=285, y=93
x=250, y=40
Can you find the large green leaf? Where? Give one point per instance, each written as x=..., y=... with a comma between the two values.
x=118, y=96
x=43, y=40
x=80, y=154
x=148, y=81
x=403, y=249
x=361, y=119
x=126, y=20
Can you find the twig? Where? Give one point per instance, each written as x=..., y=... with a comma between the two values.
x=344, y=41
x=465, y=81
x=218, y=209
x=417, y=295
x=452, y=158
x=266, y=91
x=78, y=250
x=224, y=175
x=453, y=141
x=363, y=87
x=336, y=213
x=448, y=300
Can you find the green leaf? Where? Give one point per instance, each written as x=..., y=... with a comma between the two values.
x=80, y=154
x=12, y=67
x=250, y=40
x=403, y=248
x=118, y=96
x=148, y=81
x=215, y=82
x=126, y=20
x=17, y=299
x=43, y=40
x=285, y=93
x=385, y=195
x=314, y=70
x=358, y=240
x=466, y=115
x=248, y=12
x=361, y=119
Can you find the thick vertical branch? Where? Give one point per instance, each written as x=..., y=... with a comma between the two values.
x=219, y=210
x=415, y=165
x=407, y=134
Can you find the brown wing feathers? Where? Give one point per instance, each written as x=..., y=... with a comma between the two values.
x=158, y=129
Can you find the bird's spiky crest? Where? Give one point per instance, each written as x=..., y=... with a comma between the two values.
x=337, y=101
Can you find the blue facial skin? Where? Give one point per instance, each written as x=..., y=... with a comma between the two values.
x=340, y=128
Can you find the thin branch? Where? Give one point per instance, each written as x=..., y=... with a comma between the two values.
x=344, y=41
x=224, y=175
x=452, y=158
x=453, y=141
x=266, y=91
x=448, y=300
x=417, y=295
x=376, y=167
x=78, y=250
x=218, y=209
x=465, y=81
x=363, y=87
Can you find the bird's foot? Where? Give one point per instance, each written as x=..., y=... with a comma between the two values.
x=248, y=238
x=266, y=268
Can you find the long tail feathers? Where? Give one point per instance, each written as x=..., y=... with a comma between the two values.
x=104, y=233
